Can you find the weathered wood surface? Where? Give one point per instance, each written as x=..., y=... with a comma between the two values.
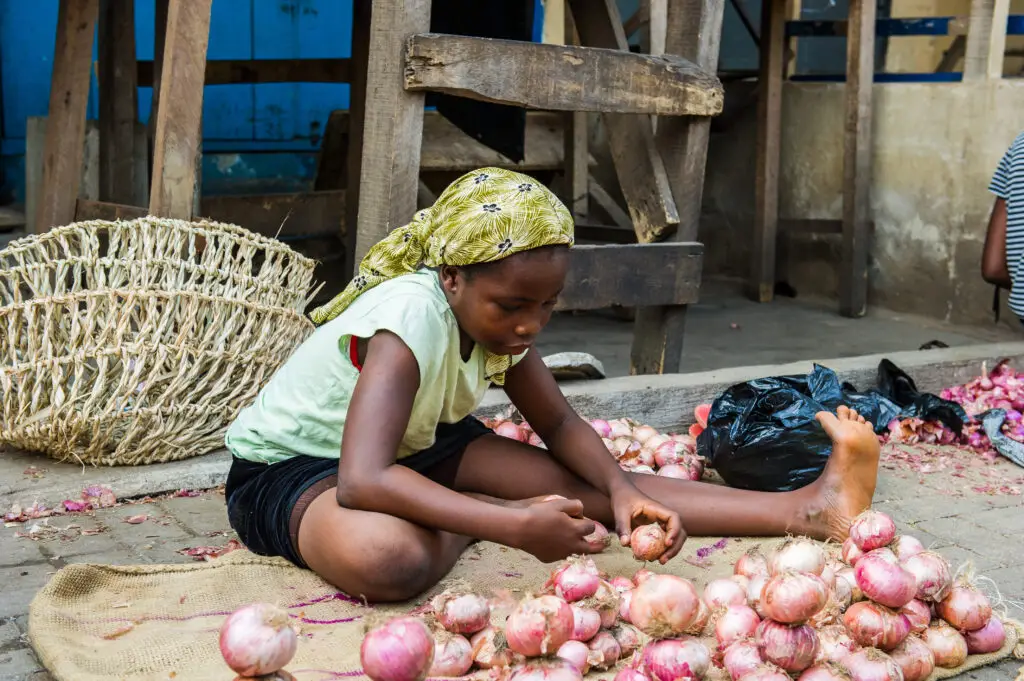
x=860, y=70
x=985, y=50
x=589, y=231
x=65, y=128
x=560, y=77
x=332, y=161
x=577, y=141
x=35, y=148
x=603, y=199
x=629, y=275
x=87, y=209
x=256, y=71
x=393, y=124
x=118, y=103
x=354, y=134
x=11, y=219
x=176, y=145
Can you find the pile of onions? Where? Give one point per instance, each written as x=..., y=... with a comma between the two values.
x=259, y=639
x=824, y=672
x=870, y=664
x=539, y=626
x=401, y=649
x=664, y=606
x=875, y=626
x=547, y=670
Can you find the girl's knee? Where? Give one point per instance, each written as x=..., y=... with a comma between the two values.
x=397, y=572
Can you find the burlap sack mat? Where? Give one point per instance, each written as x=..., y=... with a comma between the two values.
x=103, y=622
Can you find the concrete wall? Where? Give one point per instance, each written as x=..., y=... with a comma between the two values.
x=935, y=149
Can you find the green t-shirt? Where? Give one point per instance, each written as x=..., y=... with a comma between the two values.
x=302, y=408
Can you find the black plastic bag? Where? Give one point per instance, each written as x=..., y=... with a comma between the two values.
x=763, y=435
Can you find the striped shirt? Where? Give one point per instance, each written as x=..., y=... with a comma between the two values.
x=1008, y=184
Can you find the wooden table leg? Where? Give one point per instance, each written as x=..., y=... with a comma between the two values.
x=393, y=124
x=65, y=126
x=118, y=102
x=178, y=124
x=362, y=11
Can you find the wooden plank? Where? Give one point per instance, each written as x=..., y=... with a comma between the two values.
x=87, y=209
x=860, y=70
x=577, y=143
x=118, y=102
x=640, y=18
x=179, y=119
x=361, y=27
x=603, y=199
x=555, y=29
x=694, y=32
x=393, y=124
x=256, y=71
x=953, y=54
x=560, y=77
x=986, y=40
x=638, y=165
x=769, y=147
x=65, y=127
x=332, y=161
x=586, y=231
x=657, y=28
x=631, y=275
x=11, y=219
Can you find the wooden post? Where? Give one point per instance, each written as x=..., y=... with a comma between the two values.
x=65, y=125
x=694, y=32
x=986, y=40
x=118, y=102
x=159, y=38
x=179, y=118
x=658, y=26
x=577, y=147
x=769, y=131
x=361, y=16
x=860, y=75
x=393, y=127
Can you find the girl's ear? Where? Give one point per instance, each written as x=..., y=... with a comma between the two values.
x=450, y=278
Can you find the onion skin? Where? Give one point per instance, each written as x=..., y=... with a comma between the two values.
x=547, y=670
x=606, y=601
x=906, y=546
x=797, y=555
x=918, y=614
x=601, y=427
x=751, y=564
x=586, y=623
x=766, y=672
x=914, y=658
x=793, y=597
x=931, y=574
x=989, y=639
x=644, y=433
x=683, y=659
x=872, y=530
x=851, y=554
x=604, y=650
x=539, y=626
x=641, y=576
x=824, y=672
x=402, y=649
x=453, y=656
x=874, y=626
x=720, y=593
x=882, y=579
x=628, y=674
x=946, y=644
x=664, y=606
x=755, y=590
x=849, y=575
x=258, y=639
x=740, y=658
x=735, y=623
x=648, y=542
x=461, y=613
x=834, y=644
x=577, y=653
x=628, y=636
x=490, y=649
x=965, y=608
x=791, y=648
x=700, y=622
x=872, y=665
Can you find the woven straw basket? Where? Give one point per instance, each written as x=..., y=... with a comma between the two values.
x=125, y=343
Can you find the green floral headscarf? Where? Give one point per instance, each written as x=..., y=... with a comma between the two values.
x=485, y=215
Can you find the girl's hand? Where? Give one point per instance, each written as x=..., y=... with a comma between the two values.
x=633, y=508
x=553, y=530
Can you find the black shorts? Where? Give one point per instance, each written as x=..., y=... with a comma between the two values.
x=265, y=501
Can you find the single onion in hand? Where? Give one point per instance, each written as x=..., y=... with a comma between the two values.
x=791, y=647
x=586, y=622
x=461, y=613
x=741, y=657
x=734, y=623
x=401, y=649
x=600, y=535
x=675, y=659
x=453, y=655
x=258, y=639
x=946, y=644
x=873, y=625
x=663, y=606
x=870, y=664
x=648, y=542
x=915, y=659
x=539, y=626
x=722, y=592
x=988, y=639
x=793, y=597
x=931, y=575
x=872, y=530
x=883, y=580
x=797, y=555
x=965, y=608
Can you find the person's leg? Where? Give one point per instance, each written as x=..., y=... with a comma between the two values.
x=822, y=510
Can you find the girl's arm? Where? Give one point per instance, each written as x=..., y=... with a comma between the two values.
x=993, y=260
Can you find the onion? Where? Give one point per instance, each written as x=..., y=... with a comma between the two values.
x=931, y=574
x=628, y=674
x=586, y=623
x=629, y=638
x=988, y=639
x=755, y=589
x=402, y=649
x=547, y=670
x=883, y=580
x=604, y=650
x=766, y=672
x=946, y=644
x=797, y=555
x=453, y=655
x=872, y=530
x=577, y=654
x=644, y=433
x=966, y=608
x=620, y=428
x=684, y=659
x=535, y=441
x=834, y=644
x=918, y=614
x=851, y=554
x=751, y=564
x=576, y=579
x=824, y=672
x=622, y=584
x=601, y=427
x=625, y=598
x=872, y=665
x=700, y=622
x=915, y=659
x=676, y=472
x=743, y=581
x=734, y=623
x=606, y=601
x=648, y=542
x=539, y=626
x=740, y=658
x=669, y=453
x=644, y=458
x=663, y=606
x=279, y=675
x=258, y=639
x=461, y=613
x=842, y=593
x=793, y=597
x=906, y=546
x=790, y=647
x=643, y=470
x=872, y=625
x=849, y=575
x=511, y=431
x=640, y=576
x=490, y=649
x=722, y=592
x=828, y=574
x=600, y=535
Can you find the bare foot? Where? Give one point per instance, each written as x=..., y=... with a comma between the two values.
x=847, y=485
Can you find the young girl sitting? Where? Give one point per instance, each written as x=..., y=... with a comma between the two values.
x=360, y=459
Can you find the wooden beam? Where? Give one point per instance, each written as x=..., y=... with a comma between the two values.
x=694, y=32
x=605, y=201
x=86, y=209
x=361, y=27
x=986, y=40
x=179, y=119
x=657, y=28
x=638, y=165
x=631, y=275
x=393, y=128
x=769, y=134
x=118, y=102
x=588, y=231
x=65, y=125
x=255, y=71
x=576, y=142
x=860, y=71
x=640, y=18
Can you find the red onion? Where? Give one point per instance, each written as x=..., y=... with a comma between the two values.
x=604, y=650
x=988, y=639
x=622, y=584
x=849, y=575
x=931, y=575
x=279, y=675
x=628, y=674
x=722, y=592
x=625, y=598
x=642, y=469
x=644, y=433
x=586, y=623
x=790, y=647
x=734, y=623
x=645, y=457
x=535, y=441
x=453, y=655
x=576, y=579
x=751, y=564
x=547, y=670
x=966, y=608
x=828, y=573
x=461, y=613
x=577, y=653
x=797, y=555
x=793, y=597
x=851, y=554
x=743, y=581
x=258, y=639
x=872, y=530
x=620, y=428
x=490, y=649
x=648, y=542
x=872, y=625
x=686, y=440
x=883, y=580
x=740, y=658
x=606, y=601
x=918, y=614
x=539, y=626
x=755, y=589
x=669, y=453
x=642, y=575
x=906, y=546
x=834, y=644
x=511, y=431
x=676, y=659
x=766, y=672
x=824, y=672
x=400, y=650
x=700, y=622
x=842, y=593
x=663, y=606
x=915, y=659
x=946, y=644
x=676, y=472
x=628, y=637
x=601, y=427
x=872, y=665
x=600, y=535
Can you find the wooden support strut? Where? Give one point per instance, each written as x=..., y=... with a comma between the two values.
x=118, y=103
x=986, y=40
